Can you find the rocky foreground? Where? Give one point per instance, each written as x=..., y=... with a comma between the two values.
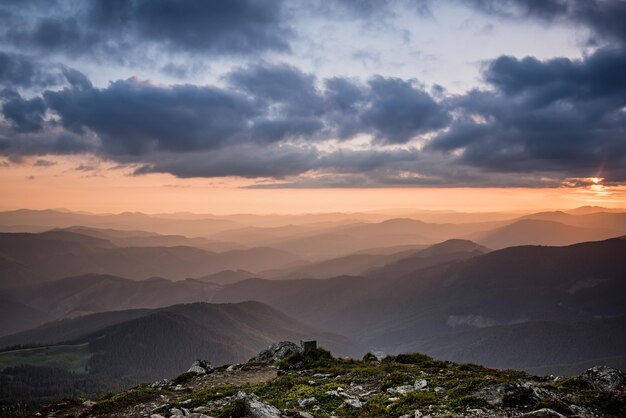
x=286, y=381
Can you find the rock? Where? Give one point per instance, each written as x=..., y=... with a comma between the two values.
x=354, y=403
x=493, y=394
x=439, y=389
x=179, y=388
x=580, y=412
x=278, y=351
x=88, y=404
x=200, y=367
x=543, y=413
x=303, y=402
x=605, y=378
x=197, y=415
x=420, y=384
x=401, y=390
x=160, y=383
x=306, y=415
x=257, y=408
x=177, y=412
x=156, y=416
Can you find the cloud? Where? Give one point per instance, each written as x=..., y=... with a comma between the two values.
x=557, y=115
x=44, y=163
x=552, y=119
x=26, y=115
x=113, y=27
x=21, y=71
x=605, y=18
x=134, y=117
x=260, y=104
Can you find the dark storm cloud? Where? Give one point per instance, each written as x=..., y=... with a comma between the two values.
x=605, y=18
x=20, y=71
x=558, y=115
x=114, y=27
x=261, y=104
x=133, y=117
x=26, y=115
x=397, y=110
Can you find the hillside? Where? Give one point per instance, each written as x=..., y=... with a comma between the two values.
x=284, y=381
x=81, y=295
x=27, y=259
x=542, y=232
x=504, y=287
x=120, y=349
x=16, y=317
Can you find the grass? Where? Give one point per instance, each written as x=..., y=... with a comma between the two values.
x=300, y=379
x=72, y=358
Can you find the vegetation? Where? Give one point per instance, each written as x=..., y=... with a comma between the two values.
x=72, y=358
x=319, y=384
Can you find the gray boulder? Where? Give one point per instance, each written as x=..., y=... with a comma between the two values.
x=605, y=378
x=494, y=394
x=256, y=408
x=278, y=351
x=201, y=367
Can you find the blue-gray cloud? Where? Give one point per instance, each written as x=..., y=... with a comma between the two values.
x=113, y=28
x=559, y=115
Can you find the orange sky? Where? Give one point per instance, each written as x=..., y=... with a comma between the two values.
x=114, y=190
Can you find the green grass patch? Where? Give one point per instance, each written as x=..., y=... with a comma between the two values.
x=72, y=358
x=112, y=403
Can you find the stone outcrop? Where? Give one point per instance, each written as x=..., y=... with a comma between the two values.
x=605, y=378
x=278, y=351
x=201, y=367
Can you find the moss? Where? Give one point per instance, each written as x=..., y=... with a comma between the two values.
x=235, y=409
x=408, y=403
x=115, y=402
x=396, y=379
x=182, y=378
x=202, y=396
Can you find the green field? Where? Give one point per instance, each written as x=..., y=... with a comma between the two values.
x=72, y=358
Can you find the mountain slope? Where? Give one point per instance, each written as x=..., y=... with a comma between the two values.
x=519, y=284
x=131, y=346
x=31, y=258
x=536, y=347
x=540, y=232
x=80, y=295
x=16, y=317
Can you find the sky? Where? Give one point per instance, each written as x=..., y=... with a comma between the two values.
x=312, y=106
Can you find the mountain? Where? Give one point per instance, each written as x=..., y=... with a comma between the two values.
x=16, y=317
x=541, y=232
x=144, y=345
x=445, y=252
x=27, y=259
x=123, y=221
x=91, y=293
x=349, y=265
x=150, y=239
x=614, y=222
x=536, y=347
x=349, y=239
x=504, y=287
x=586, y=210
x=227, y=277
